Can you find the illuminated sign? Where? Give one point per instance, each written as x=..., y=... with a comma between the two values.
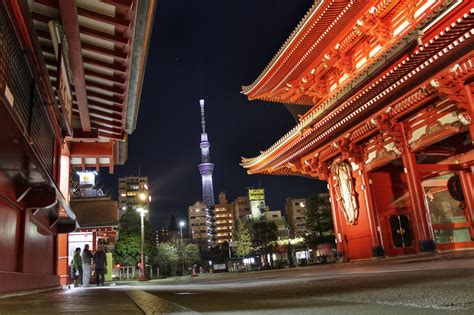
x=86, y=178
x=256, y=194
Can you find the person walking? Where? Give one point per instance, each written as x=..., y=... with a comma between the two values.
x=77, y=263
x=100, y=261
x=86, y=266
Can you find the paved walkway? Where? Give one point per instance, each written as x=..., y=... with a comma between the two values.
x=81, y=301
x=131, y=298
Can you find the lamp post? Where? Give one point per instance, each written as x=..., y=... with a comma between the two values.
x=142, y=212
x=181, y=224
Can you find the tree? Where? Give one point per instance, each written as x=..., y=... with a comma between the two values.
x=318, y=221
x=191, y=254
x=128, y=248
x=265, y=234
x=243, y=239
x=167, y=257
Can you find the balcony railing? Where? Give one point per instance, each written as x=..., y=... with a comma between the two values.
x=28, y=109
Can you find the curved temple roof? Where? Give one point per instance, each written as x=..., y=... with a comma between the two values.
x=326, y=117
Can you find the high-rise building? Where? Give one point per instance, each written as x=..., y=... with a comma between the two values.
x=134, y=194
x=224, y=221
x=275, y=217
x=295, y=209
x=198, y=225
x=205, y=169
x=241, y=208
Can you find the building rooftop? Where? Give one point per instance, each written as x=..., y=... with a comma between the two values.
x=95, y=212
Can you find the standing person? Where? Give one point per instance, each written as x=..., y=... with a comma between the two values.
x=100, y=261
x=86, y=266
x=77, y=263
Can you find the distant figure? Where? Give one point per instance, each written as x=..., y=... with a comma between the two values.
x=86, y=266
x=201, y=270
x=77, y=263
x=194, y=271
x=100, y=261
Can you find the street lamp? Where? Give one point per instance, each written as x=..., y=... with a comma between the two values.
x=181, y=224
x=142, y=212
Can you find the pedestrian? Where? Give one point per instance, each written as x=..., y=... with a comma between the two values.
x=100, y=261
x=77, y=264
x=86, y=266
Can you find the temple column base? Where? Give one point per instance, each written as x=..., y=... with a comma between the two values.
x=378, y=251
x=427, y=246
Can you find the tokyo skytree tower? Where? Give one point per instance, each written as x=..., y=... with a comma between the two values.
x=206, y=167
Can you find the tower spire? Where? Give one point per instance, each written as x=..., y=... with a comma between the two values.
x=205, y=169
x=203, y=117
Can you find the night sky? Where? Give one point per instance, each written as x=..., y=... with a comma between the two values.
x=209, y=49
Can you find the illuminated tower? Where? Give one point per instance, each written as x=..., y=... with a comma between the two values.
x=206, y=167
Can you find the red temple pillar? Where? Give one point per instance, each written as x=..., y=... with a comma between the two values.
x=377, y=249
x=467, y=183
x=417, y=197
x=470, y=101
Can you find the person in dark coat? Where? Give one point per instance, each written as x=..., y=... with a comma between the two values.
x=100, y=261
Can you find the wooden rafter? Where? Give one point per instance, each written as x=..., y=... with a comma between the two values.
x=71, y=28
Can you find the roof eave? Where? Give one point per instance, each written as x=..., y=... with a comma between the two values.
x=142, y=34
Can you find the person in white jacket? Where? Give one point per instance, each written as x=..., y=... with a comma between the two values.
x=86, y=266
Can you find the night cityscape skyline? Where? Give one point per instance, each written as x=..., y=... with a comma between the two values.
x=189, y=60
x=249, y=157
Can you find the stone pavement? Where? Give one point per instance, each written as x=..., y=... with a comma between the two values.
x=131, y=298
x=92, y=300
x=77, y=300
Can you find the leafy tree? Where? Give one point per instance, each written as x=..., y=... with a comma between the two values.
x=265, y=234
x=167, y=257
x=128, y=250
x=243, y=239
x=128, y=247
x=318, y=221
x=191, y=254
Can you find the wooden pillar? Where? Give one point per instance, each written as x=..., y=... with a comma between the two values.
x=377, y=249
x=21, y=240
x=417, y=197
x=467, y=183
x=470, y=101
x=94, y=241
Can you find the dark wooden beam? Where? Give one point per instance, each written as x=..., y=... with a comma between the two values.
x=70, y=20
x=115, y=99
x=115, y=21
x=114, y=116
x=116, y=39
x=124, y=4
x=106, y=65
x=115, y=78
x=116, y=89
x=90, y=14
x=116, y=53
x=111, y=123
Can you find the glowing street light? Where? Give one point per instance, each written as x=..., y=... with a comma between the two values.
x=142, y=212
x=142, y=196
x=181, y=225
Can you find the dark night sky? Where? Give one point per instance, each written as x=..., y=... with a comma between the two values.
x=209, y=49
